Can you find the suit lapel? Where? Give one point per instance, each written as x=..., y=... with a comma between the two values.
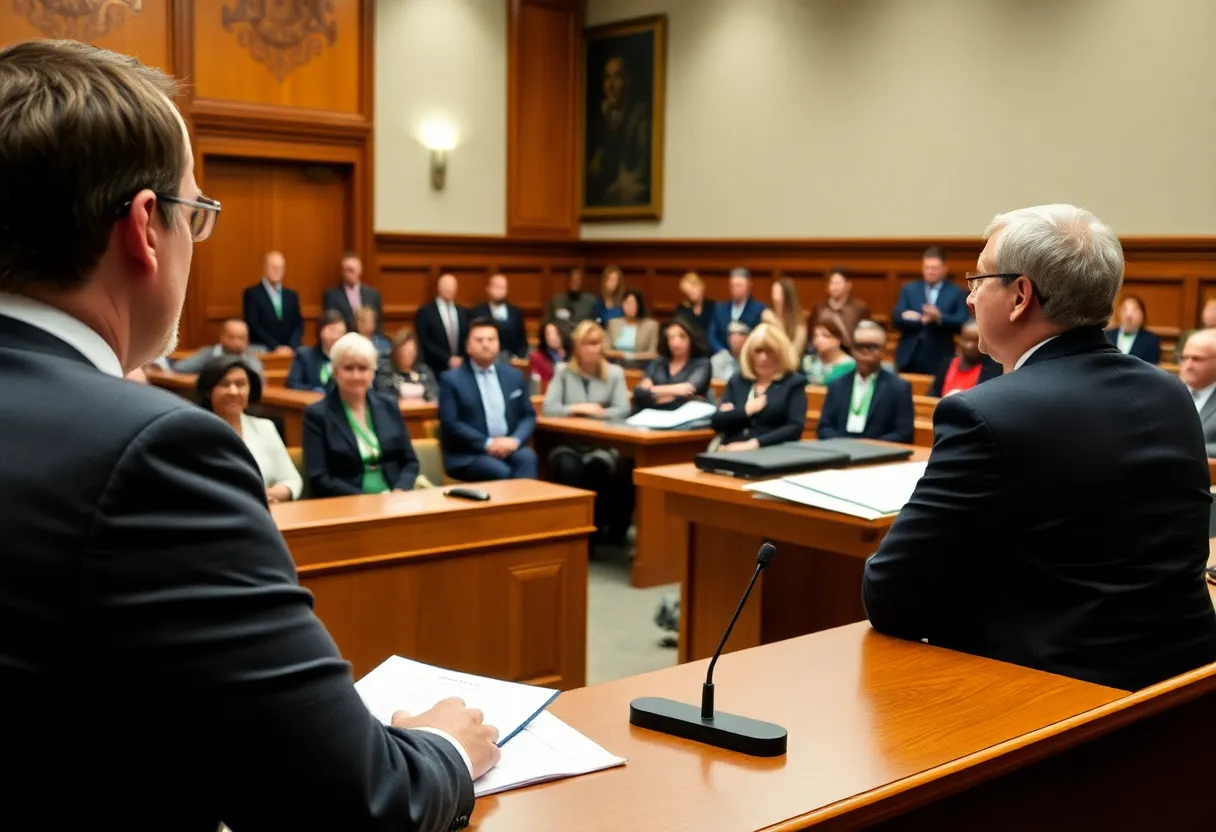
x=880, y=389
x=1208, y=410
x=338, y=414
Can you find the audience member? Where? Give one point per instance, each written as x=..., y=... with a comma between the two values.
x=680, y=373
x=833, y=350
x=311, y=368
x=272, y=311
x=349, y=296
x=443, y=328
x=355, y=441
x=234, y=341
x=695, y=308
x=967, y=369
x=741, y=307
x=786, y=312
x=1207, y=320
x=633, y=333
x=871, y=402
x=725, y=363
x=573, y=306
x=612, y=292
x=485, y=414
x=512, y=335
x=840, y=301
x=1073, y=489
x=402, y=374
x=929, y=314
x=227, y=386
x=368, y=325
x=552, y=351
x=765, y=402
x=1198, y=372
x=1130, y=336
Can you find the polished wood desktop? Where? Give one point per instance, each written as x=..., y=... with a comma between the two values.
x=887, y=734
x=496, y=588
x=712, y=530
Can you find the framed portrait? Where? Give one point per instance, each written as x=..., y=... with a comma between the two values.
x=622, y=132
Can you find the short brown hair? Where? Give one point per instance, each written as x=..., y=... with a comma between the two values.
x=82, y=131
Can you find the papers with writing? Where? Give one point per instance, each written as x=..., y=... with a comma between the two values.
x=669, y=419
x=548, y=749
x=868, y=493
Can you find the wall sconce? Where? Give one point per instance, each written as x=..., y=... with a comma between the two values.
x=439, y=137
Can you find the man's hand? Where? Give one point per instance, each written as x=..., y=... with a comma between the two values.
x=745, y=445
x=502, y=446
x=454, y=362
x=755, y=405
x=726, y=407
x=283, y=349
x=465, y=725
x=911, y=315
x=931, y=314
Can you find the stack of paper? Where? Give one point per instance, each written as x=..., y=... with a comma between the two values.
x=868, y=493
x=670, y=419
x=548, y=749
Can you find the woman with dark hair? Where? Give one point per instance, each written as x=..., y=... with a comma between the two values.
x=552, y=351
x=633, y=332
x=680, y=373
x=402, y=374
x=227, y=386
x=311, y=369
x=833, y=356
x=1130, y=336
x=612, y=292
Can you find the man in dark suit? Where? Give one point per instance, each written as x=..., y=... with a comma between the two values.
x=485, y=414
x=869, y=403
x=1197, y=369
x=1062, y=522
x=1130, y=336
x=512, y=336
x=351, y=295
x=272, y=311
x=928, y=315
x=443, y=328
x=741, y=307
x=142, y=577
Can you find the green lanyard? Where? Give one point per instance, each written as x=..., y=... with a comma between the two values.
x=861, y=406
x=369, y=444
x=276, y=300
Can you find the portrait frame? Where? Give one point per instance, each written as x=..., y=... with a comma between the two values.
x=642, y=41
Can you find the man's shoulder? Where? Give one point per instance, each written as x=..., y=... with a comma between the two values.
x=841, y=382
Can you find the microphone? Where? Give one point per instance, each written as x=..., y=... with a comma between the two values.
x=703, y=725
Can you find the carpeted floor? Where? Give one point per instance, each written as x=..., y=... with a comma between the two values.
x=622, y=638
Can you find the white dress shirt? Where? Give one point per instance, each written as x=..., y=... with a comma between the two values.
x=263, y=441
x=1201, y=396
x=1032, y=351
x=856, y=422
x=63, y=326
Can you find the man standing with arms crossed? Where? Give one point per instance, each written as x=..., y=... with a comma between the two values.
x=160, y=666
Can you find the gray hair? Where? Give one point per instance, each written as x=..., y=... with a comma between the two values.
x=869, y=326
x=353, y=345
x=739, y=271
x=1074, y=260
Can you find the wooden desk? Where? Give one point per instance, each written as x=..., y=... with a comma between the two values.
x=893, y=733
x=713, y=530
x=496, y=588
x=645, y=448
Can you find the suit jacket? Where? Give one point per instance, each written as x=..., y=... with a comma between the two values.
x=433, y=337
x=923, y=346
x=335, y=298
x=702, y=321
x=143, y=574
x=462, y=417
x=331, y=453
x=891, y=417
x=305, y=372
x=646, y=339
x=989, y=370
x=265, y=327
x=571, y=311
x=1207, y=418
x=752, y=310
x=851, y=313
x=1146, y=345
x=1062, y=523
x=782, y=419
x=512, y=335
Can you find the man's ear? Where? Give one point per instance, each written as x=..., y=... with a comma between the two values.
x=1023, y=293
x=139, y=234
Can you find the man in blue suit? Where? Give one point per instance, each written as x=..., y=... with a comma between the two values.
x=870, y=403
x=929, y=314
x=742, y=307
x=485, y=414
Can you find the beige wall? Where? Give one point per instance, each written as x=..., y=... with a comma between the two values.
x=825, y=118
x=444, y=59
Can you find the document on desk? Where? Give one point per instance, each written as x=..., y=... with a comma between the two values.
x=868, y=493
x=671, y=419
x=548, y=749
x=400, y=684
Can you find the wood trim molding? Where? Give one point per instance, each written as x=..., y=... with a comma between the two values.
x=292, y=123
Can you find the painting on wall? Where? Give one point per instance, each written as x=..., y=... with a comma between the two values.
x=622, y=135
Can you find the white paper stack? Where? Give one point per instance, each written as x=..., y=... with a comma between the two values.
x=671, y=419
x=869, y=493
x=548, y=749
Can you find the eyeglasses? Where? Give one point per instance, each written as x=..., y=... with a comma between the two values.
x=973, y=281
x=863, y=347
x=204, y=213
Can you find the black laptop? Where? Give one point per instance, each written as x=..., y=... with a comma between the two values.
x=773, y=461
x=860, y=452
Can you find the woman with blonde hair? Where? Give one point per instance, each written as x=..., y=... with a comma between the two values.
x=765, y=402
x=612, y=292
x=786, y=313
x=695, y=308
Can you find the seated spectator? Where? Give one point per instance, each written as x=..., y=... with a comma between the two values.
x=367, y=324
x=633, y=333
x=679, y=374
x=840, y=301
x=485, y=413
x=740, y=306
x=765, y=402
x=612, y=292
x=512, y=334
x=1207, y=320
x=355, y=440
x=403, y=374
x=872, y=402
x=227, y=386
x=695, y=308
x=552, y=351
x=967, y=369
x=1198, y=372
x=832, y=358
x=234, y=341
x=573, y=306
x=725, y=362
x=311, y=369
x=1130, y=336
x=786, y=312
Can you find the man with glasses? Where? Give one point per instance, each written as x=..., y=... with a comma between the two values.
x=156, y=650
x=1062, y=521
x=928, y=315
x=870, y=402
